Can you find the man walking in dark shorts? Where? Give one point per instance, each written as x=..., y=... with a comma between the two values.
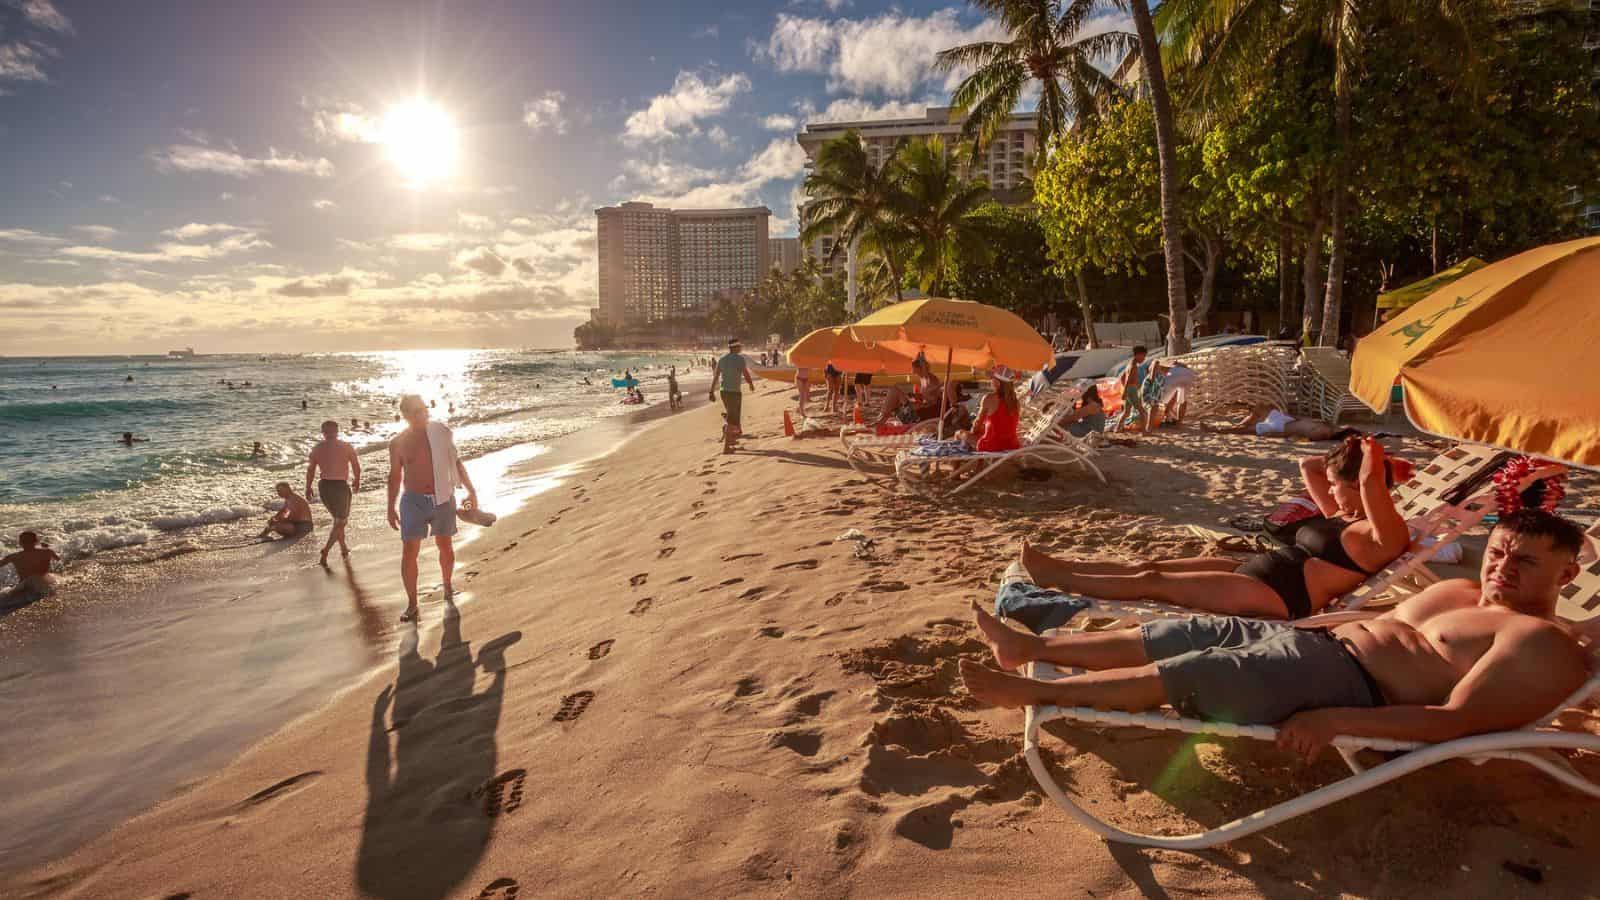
x=341, y=480
x=728, y=370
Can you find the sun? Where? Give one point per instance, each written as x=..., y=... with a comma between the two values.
x=420, y=140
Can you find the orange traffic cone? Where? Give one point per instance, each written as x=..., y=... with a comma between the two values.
x=788, y=424
x=857, y=414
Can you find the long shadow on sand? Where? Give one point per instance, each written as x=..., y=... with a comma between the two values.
x=431, y=804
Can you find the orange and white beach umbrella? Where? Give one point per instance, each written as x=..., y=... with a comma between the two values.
x=835, y=345
x=956, y=332
x=1500, y=356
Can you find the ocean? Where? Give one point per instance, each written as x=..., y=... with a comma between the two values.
x=68, y=476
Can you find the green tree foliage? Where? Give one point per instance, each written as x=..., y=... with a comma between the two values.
x=1017, y=272
x=933, y=212
x=849, y=197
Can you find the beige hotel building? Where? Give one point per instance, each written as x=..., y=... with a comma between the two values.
x=658, y=264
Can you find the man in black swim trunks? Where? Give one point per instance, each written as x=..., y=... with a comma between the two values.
x=1462, y=657
x=293, y=519
x=341, y=480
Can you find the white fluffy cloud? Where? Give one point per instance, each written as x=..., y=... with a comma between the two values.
x=545, y=112
x=97, y=232
x=474, y=221
x=42, y=14
x=195, y=158
x=27, y=236
x=322, y=205
x=780, y=122
x=889, y=54
x=345, y=122
x=691, y=99
x=680, y=185
x=20, y=61
x=194, y=231
x=339, y=284
x=855, y=109
x=232, y=240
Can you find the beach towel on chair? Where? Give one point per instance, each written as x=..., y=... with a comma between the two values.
x=934, y=447
x=1040, y=609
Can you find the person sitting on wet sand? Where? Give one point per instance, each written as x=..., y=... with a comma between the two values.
x=1462, y=657
x=1329, y=557
x=32, y=563
x=293, y=519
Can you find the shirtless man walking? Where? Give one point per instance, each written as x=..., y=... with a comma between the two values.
x=428, y=505
x=1459, y=658
x=33, y=568
x=341, y=480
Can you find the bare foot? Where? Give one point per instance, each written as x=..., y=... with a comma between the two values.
x=992, y=688
x=323, y=559
x=1010, y=647
x=410, y=615
x=1030, y=560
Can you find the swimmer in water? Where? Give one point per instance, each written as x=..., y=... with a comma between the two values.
x=258, y=451
x=128, y=440
x=129, y=378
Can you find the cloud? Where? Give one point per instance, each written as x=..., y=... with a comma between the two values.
x=232, y=239
x=323, y=204
x=474, y=221
x=544, y=112
x=195, y=231
x=27, y=236
x=335, y=285
x=780, y=122
x=705, y=31
x=109, y=198
x=345, y=122
x=21, y=62
x=890, y=54
x=662, y=174
x=195, y=158
x=691, y=99
x=42, y=14
x=97, y=232
x=855, y=109
x=679, y=185
x=482, y=260
x=421, y=241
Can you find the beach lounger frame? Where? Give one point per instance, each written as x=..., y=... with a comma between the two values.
x=1534, y=744
x=1325, y=385
x=1046, y=443
x=864, y=446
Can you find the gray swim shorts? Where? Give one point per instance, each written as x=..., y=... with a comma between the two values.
x=1249, y=672
x=419, y=515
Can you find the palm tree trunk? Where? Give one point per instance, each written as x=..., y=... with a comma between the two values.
x=852, y=262
x=1310, y=275
x=1332, y=302
x=1083, y=305
x=1285, y=280
x=1166, y=152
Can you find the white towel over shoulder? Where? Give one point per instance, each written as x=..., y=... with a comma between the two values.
x=442, y=447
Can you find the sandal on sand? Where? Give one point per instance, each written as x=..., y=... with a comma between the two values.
x=410, y=615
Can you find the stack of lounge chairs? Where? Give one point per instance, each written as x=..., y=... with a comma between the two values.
x=1325, y=385
x=1247, y=374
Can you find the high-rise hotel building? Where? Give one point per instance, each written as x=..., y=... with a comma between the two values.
x=658, y=264
x=1004, y=164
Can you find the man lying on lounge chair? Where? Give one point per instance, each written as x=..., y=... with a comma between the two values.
x=1459, y=658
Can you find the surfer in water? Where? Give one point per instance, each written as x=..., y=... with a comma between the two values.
x=32, y=563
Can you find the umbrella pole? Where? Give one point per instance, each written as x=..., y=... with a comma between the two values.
x=944, y=389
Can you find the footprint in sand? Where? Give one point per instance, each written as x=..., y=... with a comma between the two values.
x=887, y=587
x=668, y=535
x=665, y=552
x=278, y=791
x=573, y=706
x=500, y=889
x=805, y=743
x=182, y=895
x=771, y=631
x=641, y=607
x=747, y=685
x=740, y=556
x=799, y=564
x=699, y=515
x=835, y=600
x=697, y=504
x=709, y=491
x=682, y=578
x=639, y=579
x=599, y=651
x=502, y=794
x=753, y=593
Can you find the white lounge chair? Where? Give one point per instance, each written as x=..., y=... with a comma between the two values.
x=1325, y=385
x=1045, y=443
x=1534, y=744
x=1420, y=501
x=865, y=447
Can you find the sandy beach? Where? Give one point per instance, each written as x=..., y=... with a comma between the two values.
x=669, y=679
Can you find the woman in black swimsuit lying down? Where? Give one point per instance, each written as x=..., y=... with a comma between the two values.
x=1362, y=534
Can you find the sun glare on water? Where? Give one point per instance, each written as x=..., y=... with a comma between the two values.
x=420, y=140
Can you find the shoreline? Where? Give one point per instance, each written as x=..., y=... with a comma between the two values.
x=683, y=684
x=97, y=630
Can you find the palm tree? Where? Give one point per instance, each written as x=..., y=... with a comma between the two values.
x=1230, y=42
x=1167, y=155
x=934, y=211
x=849, y=199
x=1045, y=49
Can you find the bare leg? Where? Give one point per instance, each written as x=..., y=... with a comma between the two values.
x=1116, y=649
x=1047, y=571
x=447, y=561
x=334, y=534
x=1132, y=689
x=1222, y=593
x=408, y=573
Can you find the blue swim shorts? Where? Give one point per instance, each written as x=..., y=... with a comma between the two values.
x=419, y=515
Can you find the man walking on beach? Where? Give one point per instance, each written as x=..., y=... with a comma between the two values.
x=337, y=460
x=728, y=370
x=423, y=458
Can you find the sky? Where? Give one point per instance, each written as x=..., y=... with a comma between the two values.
x=323, y=175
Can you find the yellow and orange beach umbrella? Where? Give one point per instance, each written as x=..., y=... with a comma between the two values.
x=835, y=345
x=955, y=332
x=1499, y=356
